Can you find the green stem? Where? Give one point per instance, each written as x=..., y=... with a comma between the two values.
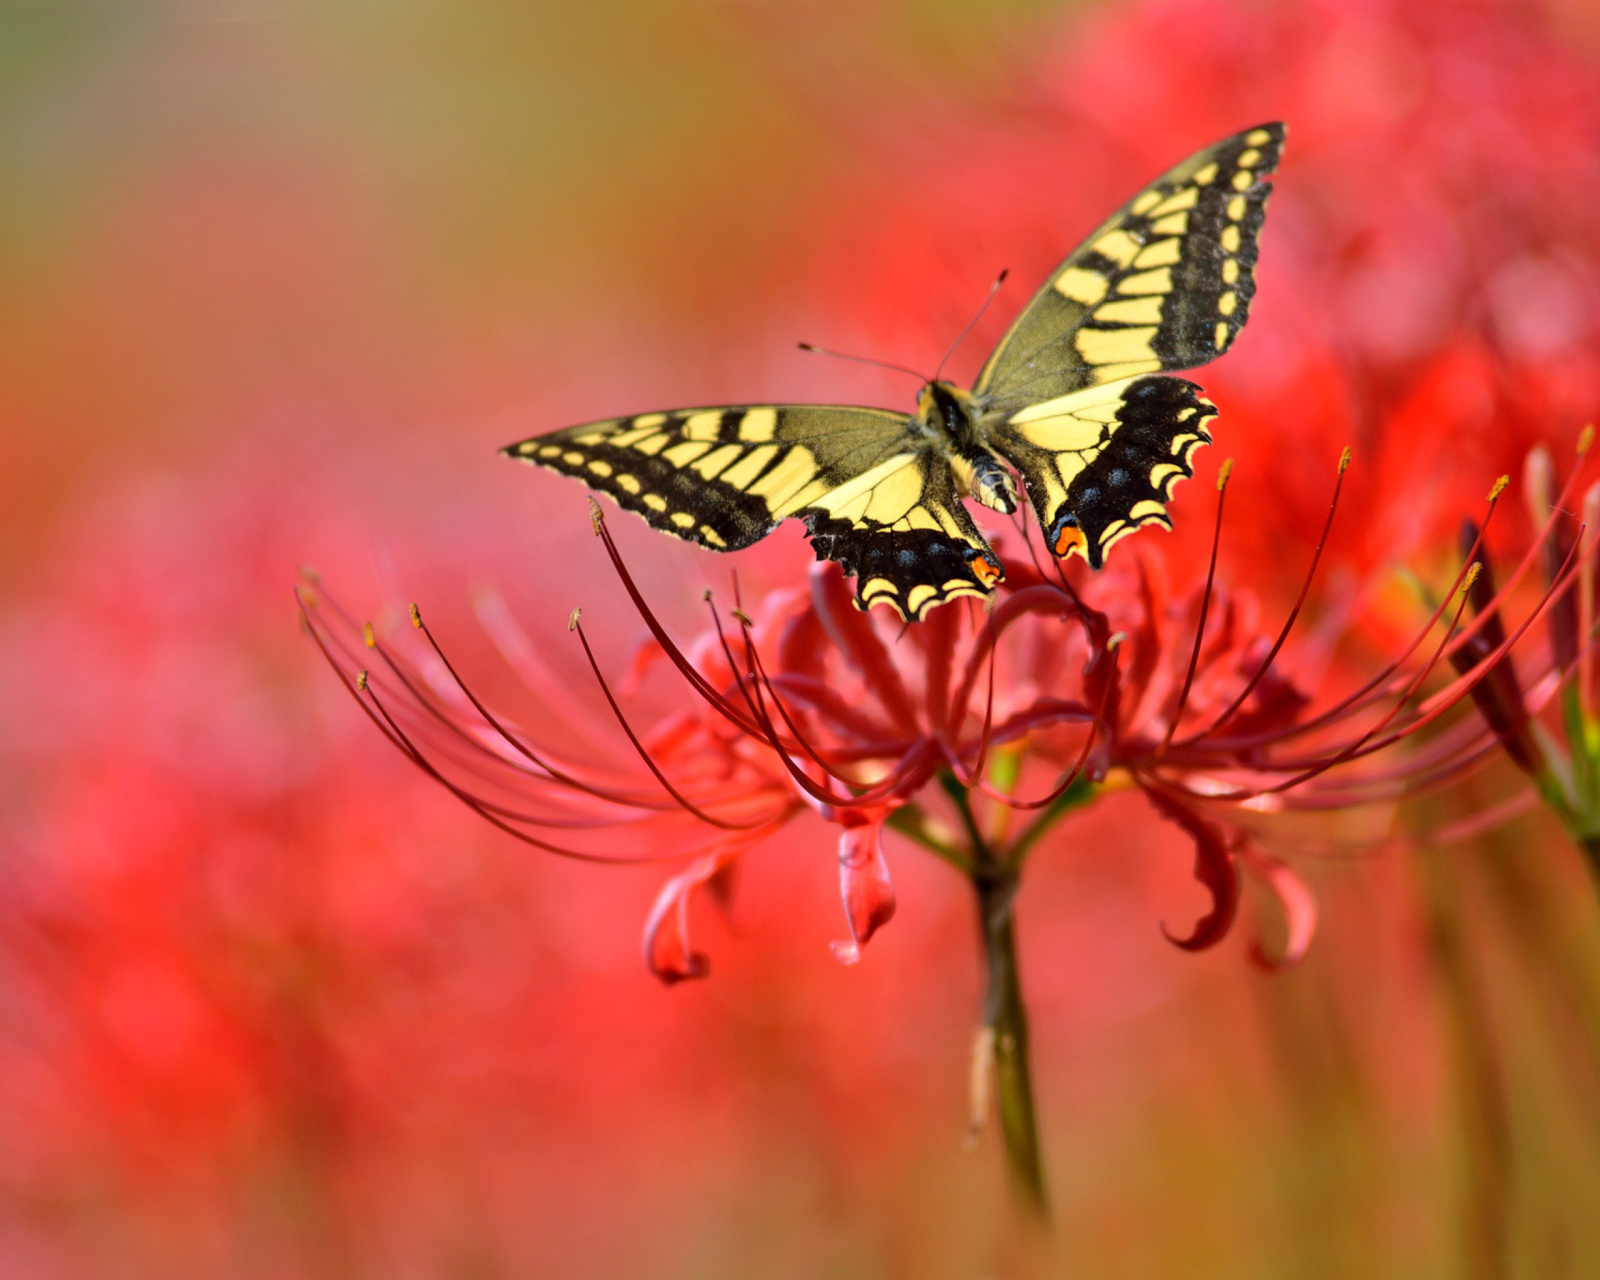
x=995, y=881
x=1005, y=1016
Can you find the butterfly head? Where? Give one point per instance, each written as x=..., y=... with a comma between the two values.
x=946, y=408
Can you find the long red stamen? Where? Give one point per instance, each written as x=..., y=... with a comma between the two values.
x=1294, y=613
x=988, y=713
x=1355, y=749
x=483, y=810
x=1205, y=607
x=1096, y=724
x=1379, y=686
x=1037, y=599
x=423, y=697
x=515, y=742
x=973, y=777
x=698, y=682
x=758, y=673
x=750, y=690
x=881, y=790
x=638, y=746
x=1438, y=703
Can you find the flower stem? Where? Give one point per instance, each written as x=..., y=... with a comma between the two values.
x=995, y=880
x=1006, y=1017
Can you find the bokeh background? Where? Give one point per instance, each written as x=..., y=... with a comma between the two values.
x=278, y=277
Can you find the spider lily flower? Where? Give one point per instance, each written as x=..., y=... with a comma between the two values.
x=973, y=734
x=1020, y=713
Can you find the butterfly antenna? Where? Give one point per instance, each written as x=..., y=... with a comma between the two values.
x=972, y=324
x=844, y=355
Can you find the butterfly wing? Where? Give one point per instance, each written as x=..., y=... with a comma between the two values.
x=1166, y=283
x=871, y=494
x=1100, y=463
x=902, y=531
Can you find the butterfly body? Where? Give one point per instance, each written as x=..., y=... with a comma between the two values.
x=1071, y=401
x=953, y=423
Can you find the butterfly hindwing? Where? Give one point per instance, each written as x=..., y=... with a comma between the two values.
x=1100, y=463
x=722, y=477
x=902, y=532
x=1165, y=284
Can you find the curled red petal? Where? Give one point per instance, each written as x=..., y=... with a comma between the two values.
x=803, y=644
x=863, y=879
x=852, y=633
x=1214, y=868
x=666, y=932
x=1297, y=903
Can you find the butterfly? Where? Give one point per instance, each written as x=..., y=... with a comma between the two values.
x=1067, y=402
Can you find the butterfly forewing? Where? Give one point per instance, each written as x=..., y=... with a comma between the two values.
x=872, y=496
x=1165, y=284
x=723, y=477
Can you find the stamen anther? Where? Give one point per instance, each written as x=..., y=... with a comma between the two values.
x=1223, y=474
x=361, y=680
x=1499, y=487
x=572, y=619
x=1585, y=439
x=596, y=517
x=1344, y=460
x=416, y=617
x=368, y=636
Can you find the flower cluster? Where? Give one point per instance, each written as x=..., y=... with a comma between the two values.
x=1066, y=687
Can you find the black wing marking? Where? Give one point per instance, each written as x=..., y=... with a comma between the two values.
x=871, y=493
x=902, y=532
x=1100, y=463
x=722, y=477
x=1165, y=284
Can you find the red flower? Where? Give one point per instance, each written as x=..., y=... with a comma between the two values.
x=1065, y=687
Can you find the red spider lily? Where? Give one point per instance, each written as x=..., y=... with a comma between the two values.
x=811, y=703
x=1020, y=713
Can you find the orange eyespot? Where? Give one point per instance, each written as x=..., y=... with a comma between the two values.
x=1070, y=539
x=986, y=571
